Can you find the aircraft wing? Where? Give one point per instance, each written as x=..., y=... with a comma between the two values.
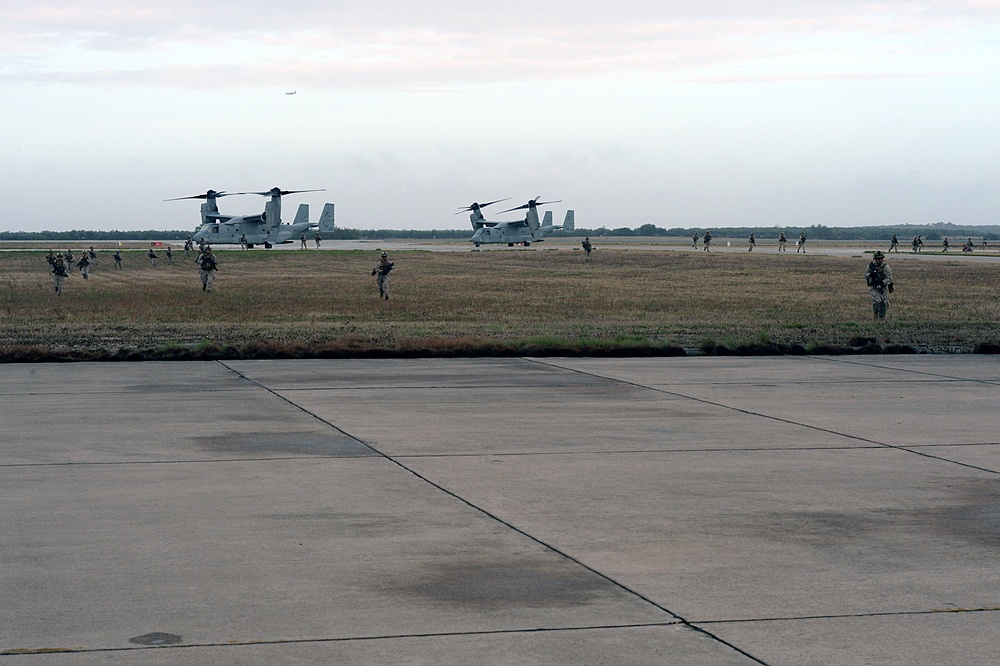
x=234, y=219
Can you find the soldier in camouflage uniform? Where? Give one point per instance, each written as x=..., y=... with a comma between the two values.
x=207, y=268
x=878, y=275
x=381, y=273
x=84, y=265
x=59, y=272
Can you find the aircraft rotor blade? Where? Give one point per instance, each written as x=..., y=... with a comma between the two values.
x=473, y=205
x=211, y=194
x=275, y=192
x=531, y=203
x=512, y=209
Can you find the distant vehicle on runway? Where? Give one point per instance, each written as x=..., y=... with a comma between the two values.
x=264, y=228
x=520, y=232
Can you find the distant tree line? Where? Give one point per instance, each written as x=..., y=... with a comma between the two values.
x=905, y=232
x=382, y=234
x=78, y=235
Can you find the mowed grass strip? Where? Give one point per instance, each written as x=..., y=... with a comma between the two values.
x=300, y=302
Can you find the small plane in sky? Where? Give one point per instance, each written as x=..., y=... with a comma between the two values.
x=261, y=229
x=523, y=232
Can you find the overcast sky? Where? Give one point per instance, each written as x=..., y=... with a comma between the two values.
x=677, y=113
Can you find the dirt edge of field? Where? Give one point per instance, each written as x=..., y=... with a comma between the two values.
x=485, y=349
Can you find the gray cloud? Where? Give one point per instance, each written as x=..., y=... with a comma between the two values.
x=405, y=45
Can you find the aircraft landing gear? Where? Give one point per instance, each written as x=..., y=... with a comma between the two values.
x=267, y=246
x=510, y=245
x=477, y=244
x=525, y=243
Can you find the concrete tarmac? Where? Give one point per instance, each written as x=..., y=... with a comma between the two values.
x=781, y=510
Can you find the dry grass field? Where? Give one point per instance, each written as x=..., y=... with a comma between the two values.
x=536, y=301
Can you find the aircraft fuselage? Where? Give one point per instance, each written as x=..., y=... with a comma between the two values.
x=515, y=234
x=257, y=233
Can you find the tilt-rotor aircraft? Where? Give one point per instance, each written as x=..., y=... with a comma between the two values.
x=261, y=229
x=523, y=232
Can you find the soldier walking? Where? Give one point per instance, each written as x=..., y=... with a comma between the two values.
x=152, y=257
x=59, y=272
x=694, y=241
x=381, y=273
x=84, y=265
x=752, y=241
x=587, y=248
x=302, y=238
x=894, y=244
x=318, y=238
x=170, y=256
x=781, y=242
x=117, y=256
x=69, y=262
x=207, y=267
x=708, y=241
x=801, y=246
x=878, y=275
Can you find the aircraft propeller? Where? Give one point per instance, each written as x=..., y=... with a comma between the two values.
x=531, y=204
x=211, y=194
x=474, y=206
x=278, y=192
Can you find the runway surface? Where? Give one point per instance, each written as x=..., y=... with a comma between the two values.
x=780, y=510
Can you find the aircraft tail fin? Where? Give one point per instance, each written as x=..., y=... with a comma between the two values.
x=569, y=224
x=547, y=220
x=302, y=215
x=326, y=218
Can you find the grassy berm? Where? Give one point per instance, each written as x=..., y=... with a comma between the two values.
x=270, y=304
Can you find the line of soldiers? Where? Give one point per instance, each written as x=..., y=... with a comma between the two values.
x=878, y=275
x=61, y=266
x=800, y=246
